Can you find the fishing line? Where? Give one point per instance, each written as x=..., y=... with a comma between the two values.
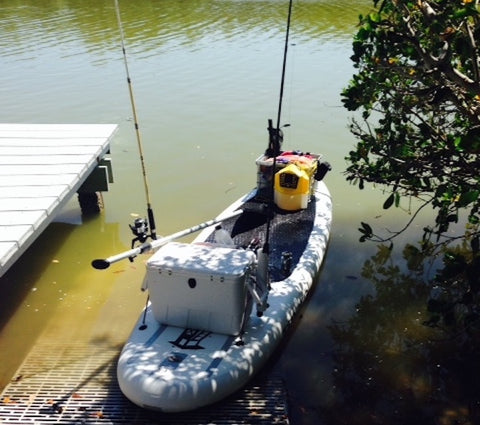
x=291, y=98
x=151, y=220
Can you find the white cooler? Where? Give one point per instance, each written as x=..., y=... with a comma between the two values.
x=199, y=286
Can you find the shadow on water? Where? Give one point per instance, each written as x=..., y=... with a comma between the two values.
x=20, y=279
x=19, y=287
x=51, y=281
x=48, y=249
x=385, y=356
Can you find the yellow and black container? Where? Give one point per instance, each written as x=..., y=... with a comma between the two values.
x=292, y=188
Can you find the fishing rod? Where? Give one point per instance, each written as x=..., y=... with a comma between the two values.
x=139, y=228
x=104, y=263
x=282, y=83
x=275, y=134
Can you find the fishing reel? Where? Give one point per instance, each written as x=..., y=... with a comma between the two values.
x=139, y=229
x=275, y=139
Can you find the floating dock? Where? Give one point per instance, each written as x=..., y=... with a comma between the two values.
x=41, y=167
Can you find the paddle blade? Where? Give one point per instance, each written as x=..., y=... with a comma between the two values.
x=100, y=264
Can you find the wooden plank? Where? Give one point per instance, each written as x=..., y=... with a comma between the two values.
x=29, y=204
x=63, y=141
x=44, y=159
x=16, y=233
x=45, y=170
x=56, y=130
x=63, y=179
x=34, y=218
x=49, y=150
x=7, y=250
x=33, y=191
x=42, y=166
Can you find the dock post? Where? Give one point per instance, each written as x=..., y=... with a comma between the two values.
x=89, y=203
x=89, y=196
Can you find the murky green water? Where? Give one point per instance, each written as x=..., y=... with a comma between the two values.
x=206, y=76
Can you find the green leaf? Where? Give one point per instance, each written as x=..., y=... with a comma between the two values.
x=467, y=198
x=475, y=244
x=383, y=254
x=458, y=143
x=375, y=17
x=452, y=218
x=413, y=256
x=473, y=219
x=366, y=229
x=397, y=200
x=362, y=34
x=462, y=13
x=389, y=201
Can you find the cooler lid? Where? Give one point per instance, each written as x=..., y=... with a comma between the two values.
x=201, y=258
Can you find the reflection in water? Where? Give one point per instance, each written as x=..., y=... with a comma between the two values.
x=389, y=367
x=171, y=23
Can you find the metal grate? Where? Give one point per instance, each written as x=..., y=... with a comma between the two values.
x=76, y=384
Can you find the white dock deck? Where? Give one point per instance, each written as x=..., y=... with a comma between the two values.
x=41, y=167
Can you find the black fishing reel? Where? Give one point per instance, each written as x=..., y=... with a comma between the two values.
x=139, y=229
x=275, y=140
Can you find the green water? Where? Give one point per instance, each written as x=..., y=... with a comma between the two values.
x=206, y=77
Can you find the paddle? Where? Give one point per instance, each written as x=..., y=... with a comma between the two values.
x=102, y=264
